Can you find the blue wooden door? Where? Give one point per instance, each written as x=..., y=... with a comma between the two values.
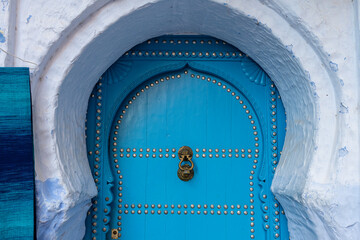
x=171, y=92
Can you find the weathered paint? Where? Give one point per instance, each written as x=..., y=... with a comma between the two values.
x=74, y=45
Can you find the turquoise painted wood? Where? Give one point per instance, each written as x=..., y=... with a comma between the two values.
x=176, y=91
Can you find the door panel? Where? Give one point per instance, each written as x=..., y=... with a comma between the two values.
x=143, y=111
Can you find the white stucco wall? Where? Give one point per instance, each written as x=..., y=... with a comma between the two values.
x=309, y=48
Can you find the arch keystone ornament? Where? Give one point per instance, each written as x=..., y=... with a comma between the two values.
x=185, y=138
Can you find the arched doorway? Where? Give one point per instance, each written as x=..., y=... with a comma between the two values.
x=160, y=96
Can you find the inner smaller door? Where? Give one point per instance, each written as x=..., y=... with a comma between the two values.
x=186, y=108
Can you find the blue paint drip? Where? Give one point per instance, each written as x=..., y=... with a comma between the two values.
x=28, y=19
x=5, y=3
x=343, y=152
x=341, y=82
x=334, y=66
x=2, y=38
x=289, y=47
x=343, y=109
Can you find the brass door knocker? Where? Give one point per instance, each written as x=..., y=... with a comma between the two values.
x=185, y=171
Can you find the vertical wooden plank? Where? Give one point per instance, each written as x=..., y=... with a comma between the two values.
x=16, y=156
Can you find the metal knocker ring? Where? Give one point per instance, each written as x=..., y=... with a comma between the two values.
x=186, y=171
x=185, y=168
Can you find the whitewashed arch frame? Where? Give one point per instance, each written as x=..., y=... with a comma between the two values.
x=63, y=83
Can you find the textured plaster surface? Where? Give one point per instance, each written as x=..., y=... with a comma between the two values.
x=307, y=47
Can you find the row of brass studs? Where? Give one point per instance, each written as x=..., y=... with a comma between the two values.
x=251, y=183
x=98, y=127
x=226, y=155
x=205, y=212
x=160, y=150
x=209, y=42
x=179, y=206
x=274, y=157
x=274, y=151
x=224, y=150
x=231, y=55
x=134, y=155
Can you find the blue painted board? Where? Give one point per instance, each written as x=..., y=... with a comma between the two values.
x=16, y=156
